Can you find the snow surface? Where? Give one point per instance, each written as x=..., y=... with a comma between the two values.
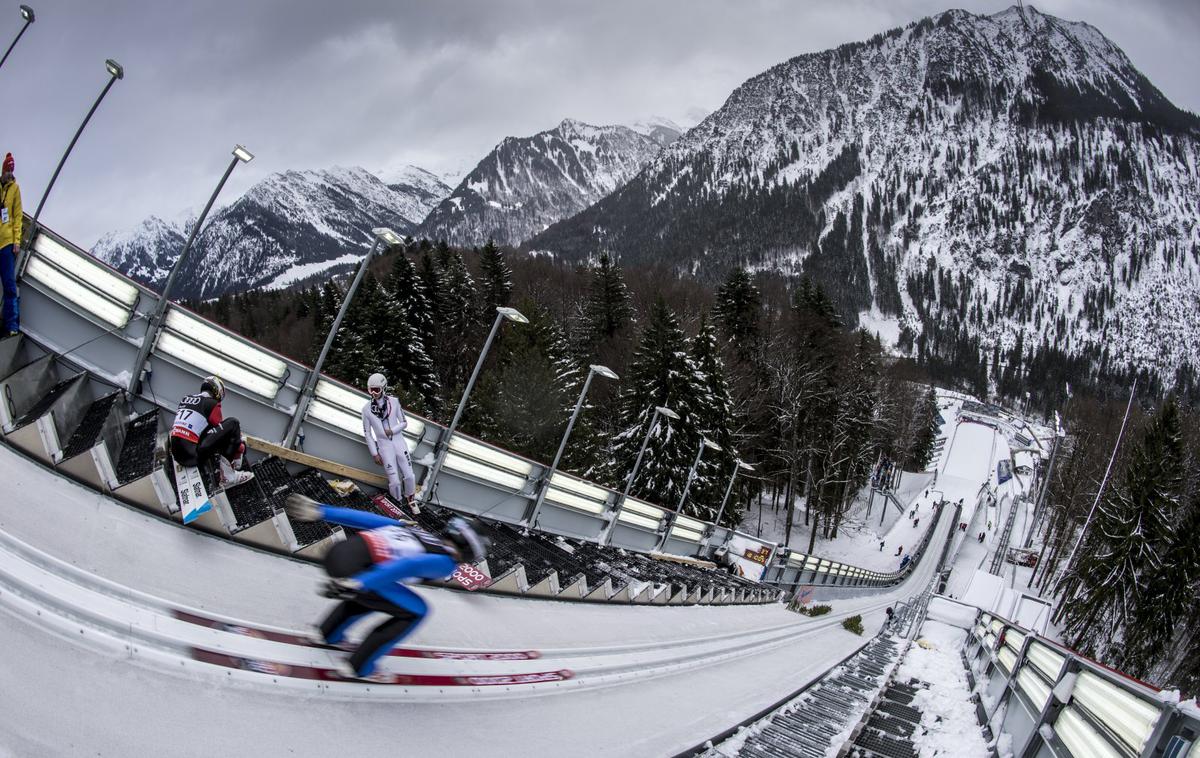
x=188, y=710
x=948, y=725
x=302, y=271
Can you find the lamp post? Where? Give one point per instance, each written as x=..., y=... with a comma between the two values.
x=383, y=236
x=687, y=484
x=115, y=72
x=443, y=444
x=1103, y=481
x=1059, y=433
x=742, y=465
x=27, y=14
x=240, y=155
x=603, y=371
x=606, y=538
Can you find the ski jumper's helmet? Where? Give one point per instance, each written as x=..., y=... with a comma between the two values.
x=213, y=386
x=377, y=382
x=463, y=534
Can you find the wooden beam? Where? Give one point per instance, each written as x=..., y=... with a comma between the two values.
x=312, y=461
x=682, y=559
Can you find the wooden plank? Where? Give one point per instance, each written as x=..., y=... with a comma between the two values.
x=312, y=461
x=671, y=557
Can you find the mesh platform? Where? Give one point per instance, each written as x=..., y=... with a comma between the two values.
x=88, y=433
x=137, y=454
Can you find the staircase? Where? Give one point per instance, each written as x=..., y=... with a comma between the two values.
x=1005, y=535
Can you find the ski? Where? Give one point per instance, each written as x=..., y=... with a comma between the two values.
x=274, y=668
x=399, y=652
x=194, y=500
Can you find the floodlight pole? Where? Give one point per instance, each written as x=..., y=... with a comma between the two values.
x=729, y=489
x=606, y=538
x=116, y=71
x=443, y=443
x=544, y=485
x=240, y=154
x=687, y=484
x=1103, y=481
x=1045, y=483
x=27, y=14
x=381, y=235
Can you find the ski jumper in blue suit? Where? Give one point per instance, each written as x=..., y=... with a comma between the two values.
x=381, y=558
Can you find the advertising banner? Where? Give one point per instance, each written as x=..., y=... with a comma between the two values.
x=1003, y=471
x=749, y=555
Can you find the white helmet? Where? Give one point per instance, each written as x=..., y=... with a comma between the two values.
x=377, y=382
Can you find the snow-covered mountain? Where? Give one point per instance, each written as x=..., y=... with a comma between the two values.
x=286, y=229
x=979, y=179
x=527, y=183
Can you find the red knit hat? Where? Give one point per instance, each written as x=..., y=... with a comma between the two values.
x=9, y=164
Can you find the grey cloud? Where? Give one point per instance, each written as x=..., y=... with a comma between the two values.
x=313, y=84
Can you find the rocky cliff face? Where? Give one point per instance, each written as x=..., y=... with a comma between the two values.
x=1001, y=178
x=289, y=228
x=527, y=183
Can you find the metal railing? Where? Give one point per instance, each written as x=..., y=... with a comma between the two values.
x=97, y=318
x=1047, y=696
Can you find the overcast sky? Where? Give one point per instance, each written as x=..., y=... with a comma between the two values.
x=377, y=83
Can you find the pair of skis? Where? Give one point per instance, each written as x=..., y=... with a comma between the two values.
x=194, y=497
x=275, y=668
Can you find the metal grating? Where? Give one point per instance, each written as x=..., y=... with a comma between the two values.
x=809, y=725
x=137, y=454
x=41, y=406
x=87, y=434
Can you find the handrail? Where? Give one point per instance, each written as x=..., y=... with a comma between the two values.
x=1087, y=707
x=275, y=400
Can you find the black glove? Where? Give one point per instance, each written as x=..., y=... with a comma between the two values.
x=341, y=589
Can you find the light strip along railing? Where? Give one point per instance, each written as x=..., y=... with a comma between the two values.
x=340, y=406
x=206, y=346
x=72, y=278
x=816, y=571
x=82, y=282
x=1052, y=697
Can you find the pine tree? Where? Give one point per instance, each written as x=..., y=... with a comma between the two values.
x=1107, y=591
x=921, y=452
x=328, y=303
x=739, y=310
x=401, y=353
x=661, y=374
x=716, y=421
x=411, y=295
x=457, y=323
x=354, y=354
x=609, y=308
x=1155, y=482
x=495, y=286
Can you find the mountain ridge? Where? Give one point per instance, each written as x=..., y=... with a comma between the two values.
x=527, y=183
x=962, y=174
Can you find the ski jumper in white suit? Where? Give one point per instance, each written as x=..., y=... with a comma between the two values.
x=383, y=422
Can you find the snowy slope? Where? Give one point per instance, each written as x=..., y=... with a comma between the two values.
x=1005, y=175
x=527, y=183
x=291, y=226
x=82, y=608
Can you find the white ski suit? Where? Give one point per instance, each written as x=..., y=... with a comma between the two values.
x=383, y=422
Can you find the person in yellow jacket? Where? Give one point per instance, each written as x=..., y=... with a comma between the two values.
x=10, y=245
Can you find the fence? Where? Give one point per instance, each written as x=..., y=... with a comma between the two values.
x=1054, y=702
x=95, y=318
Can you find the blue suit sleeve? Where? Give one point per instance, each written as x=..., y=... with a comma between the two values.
x=428, y=566
x=356, y=519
